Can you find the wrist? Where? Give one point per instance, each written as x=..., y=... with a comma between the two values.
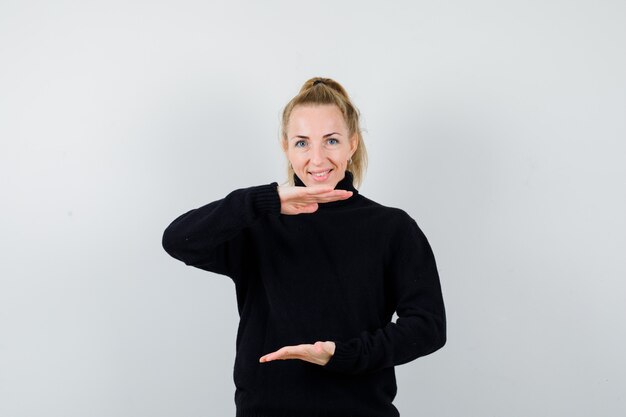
x=266, y=198
x=330, y=346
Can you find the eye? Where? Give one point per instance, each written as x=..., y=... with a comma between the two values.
x=333, y=141
x=299, y=144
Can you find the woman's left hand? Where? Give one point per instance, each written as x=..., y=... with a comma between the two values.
x=318, y=353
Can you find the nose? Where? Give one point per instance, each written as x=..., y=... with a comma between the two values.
x=318, y=154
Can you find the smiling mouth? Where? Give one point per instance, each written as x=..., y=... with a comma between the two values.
x=320, y=174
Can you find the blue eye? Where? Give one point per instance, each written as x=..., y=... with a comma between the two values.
x=297, y=144
x=333, y=139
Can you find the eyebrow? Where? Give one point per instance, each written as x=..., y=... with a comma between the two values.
x=306, y=137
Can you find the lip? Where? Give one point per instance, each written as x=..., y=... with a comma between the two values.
x=322, y=178
x=320, y=170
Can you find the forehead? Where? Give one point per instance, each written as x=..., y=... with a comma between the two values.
x=316, y=119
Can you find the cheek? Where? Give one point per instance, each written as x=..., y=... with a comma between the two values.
x=341, y=157
x=296, y=160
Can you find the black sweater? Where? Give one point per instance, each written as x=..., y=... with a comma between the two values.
x=337, y=274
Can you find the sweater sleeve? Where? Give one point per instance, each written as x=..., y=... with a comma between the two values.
x=210, y=237
x=420, y=328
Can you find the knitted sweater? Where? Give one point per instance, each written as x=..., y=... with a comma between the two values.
x=337, y=274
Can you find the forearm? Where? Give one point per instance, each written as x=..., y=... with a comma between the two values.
x=396, y=343
x=200, y=236
x=415, y=291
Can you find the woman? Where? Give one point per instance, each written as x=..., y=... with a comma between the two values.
x=319, y=271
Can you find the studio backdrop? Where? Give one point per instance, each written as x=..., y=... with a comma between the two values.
x=498, y=126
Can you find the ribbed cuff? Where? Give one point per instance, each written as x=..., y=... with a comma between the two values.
x=343, y=358
x=266, y=199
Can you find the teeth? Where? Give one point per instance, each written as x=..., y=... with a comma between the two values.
x=321, y=174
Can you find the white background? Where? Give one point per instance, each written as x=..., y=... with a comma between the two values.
x=498, y=125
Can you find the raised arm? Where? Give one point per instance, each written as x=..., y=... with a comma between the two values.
x=210, y=237
x=421, y=325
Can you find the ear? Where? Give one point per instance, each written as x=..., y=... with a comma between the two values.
x=285, y=149
x=354, y=144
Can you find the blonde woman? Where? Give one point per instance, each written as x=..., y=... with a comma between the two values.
x=319, y=270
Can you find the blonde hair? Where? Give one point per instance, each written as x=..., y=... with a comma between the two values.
x=320, y=91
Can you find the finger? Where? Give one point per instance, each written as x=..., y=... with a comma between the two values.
x=291, y=352
x=318, y=190
x=311, y=203
x=286, y=352
x=277, y=354
x=335, y=195
x=318, y=353
x=330, y=193
x=316, y=194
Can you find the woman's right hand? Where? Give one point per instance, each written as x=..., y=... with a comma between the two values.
x=296, y=200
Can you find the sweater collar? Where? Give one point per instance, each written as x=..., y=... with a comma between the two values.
x=346, y=183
